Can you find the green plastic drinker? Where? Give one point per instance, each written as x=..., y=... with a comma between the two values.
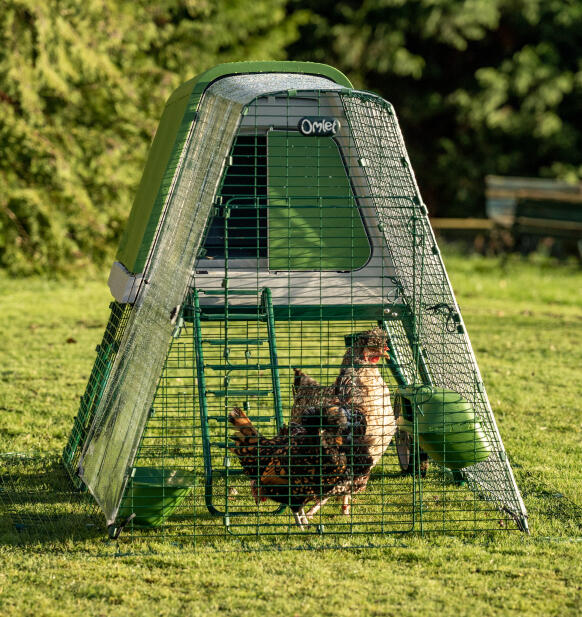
x=154, y=494
x=448, y=429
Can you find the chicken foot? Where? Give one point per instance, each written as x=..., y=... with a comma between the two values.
x=316, y=507
x=301, y=519
x=346, y=506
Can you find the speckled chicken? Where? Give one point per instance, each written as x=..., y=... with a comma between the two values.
x=307, y=460
x=359, y=383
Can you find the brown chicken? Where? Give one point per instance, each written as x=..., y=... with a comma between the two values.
x=306, y=461
x=359, y=383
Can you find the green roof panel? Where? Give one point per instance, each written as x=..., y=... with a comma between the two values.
x=167, y=146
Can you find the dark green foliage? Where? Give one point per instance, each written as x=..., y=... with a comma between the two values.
x=480, y=86
x=82, y=86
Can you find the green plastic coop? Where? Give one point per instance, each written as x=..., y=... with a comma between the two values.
x=278, y=215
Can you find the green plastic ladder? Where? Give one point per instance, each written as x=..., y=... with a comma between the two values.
x=261, y=313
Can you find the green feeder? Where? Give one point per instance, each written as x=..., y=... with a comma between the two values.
x=154, y=494
x=448, y=430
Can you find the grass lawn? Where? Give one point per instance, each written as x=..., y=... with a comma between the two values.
x=525, y=323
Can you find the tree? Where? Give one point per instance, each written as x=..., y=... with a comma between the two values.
x=82, y=86
x=480, y=86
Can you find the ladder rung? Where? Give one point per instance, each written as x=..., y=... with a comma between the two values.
x=236, y=341
x=239, y=367
x=223, y=444
x=240, y=392
x=233, y=316
x=254, y=367
x=231, y=292
x=257, y=419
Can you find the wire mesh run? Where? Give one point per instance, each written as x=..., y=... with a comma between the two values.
x=221, y=499
x=106, y=354
x=319, y=381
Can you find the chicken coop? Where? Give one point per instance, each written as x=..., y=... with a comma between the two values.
x=278, y=269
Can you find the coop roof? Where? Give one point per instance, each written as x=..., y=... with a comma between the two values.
x=175, y=125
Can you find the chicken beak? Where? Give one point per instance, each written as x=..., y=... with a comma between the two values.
x=385, y=353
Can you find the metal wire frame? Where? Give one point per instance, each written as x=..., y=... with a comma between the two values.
x=393, y=503
x=271, y=181
x=425, y=329
x=106, y=353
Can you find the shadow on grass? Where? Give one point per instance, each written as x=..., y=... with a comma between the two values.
x=547, y=503
x=38, y=503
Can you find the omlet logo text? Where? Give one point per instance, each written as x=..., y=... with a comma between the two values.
x=318, y=126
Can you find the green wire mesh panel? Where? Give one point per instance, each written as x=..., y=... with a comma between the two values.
x=106, y=353
x=304, y=239
x=238, y=372
x=423, y=282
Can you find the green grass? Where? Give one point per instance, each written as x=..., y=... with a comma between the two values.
x=525, y=323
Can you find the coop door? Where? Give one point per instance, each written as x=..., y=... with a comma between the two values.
x=314, y=222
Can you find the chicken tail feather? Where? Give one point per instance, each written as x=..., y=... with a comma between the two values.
x=303, y=380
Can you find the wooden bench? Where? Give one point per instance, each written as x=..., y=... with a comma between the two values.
x=533, y=208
